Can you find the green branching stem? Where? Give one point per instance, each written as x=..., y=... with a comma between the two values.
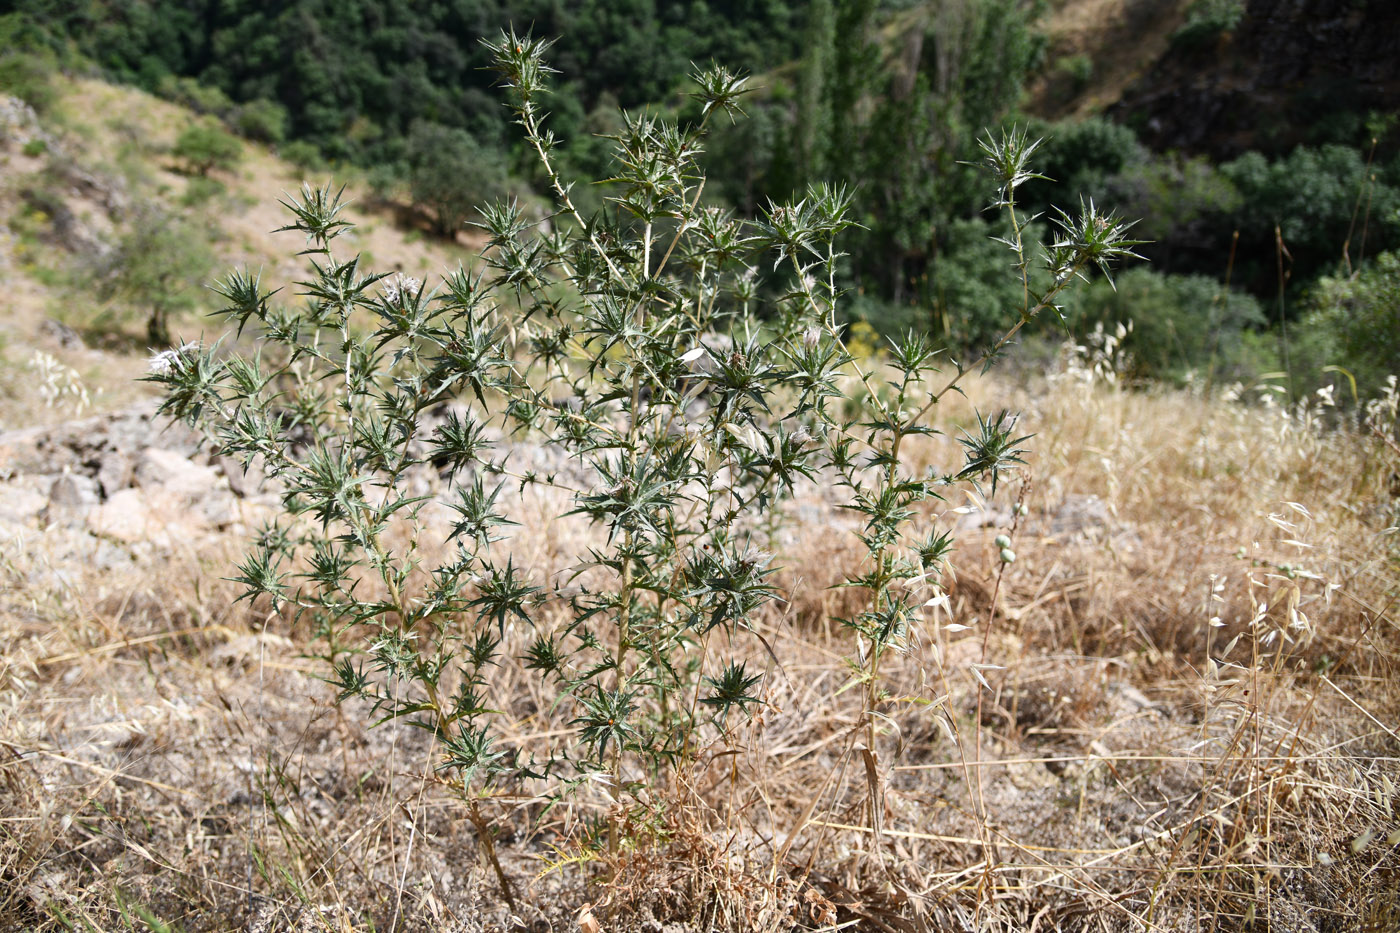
x=561, y=190
x=1046, y=301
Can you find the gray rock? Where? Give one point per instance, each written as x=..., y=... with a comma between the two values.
x=66, y=336
x=171, y=473
x=19, y=504
x=1080, y=515
x=126, y=517
x=115, y=473
x=244, y=482
x=108, y=555
x=219, y=511
x=74, y=491
x=80, y=446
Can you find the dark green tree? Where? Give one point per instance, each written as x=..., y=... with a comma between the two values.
x=158, y=269
x=813, y=130
x=204, y=147
x=452, y=175
x=959, y=69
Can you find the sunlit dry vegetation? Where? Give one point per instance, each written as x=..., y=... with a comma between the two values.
x=1190, y=719
x=621, y=578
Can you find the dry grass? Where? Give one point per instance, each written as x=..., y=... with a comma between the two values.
x=1131, y=766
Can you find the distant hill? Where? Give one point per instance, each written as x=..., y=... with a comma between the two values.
x=1304, y=72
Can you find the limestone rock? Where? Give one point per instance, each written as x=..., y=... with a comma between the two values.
x=73, y=491
x=20, y=504
x=114, y=473
x=125, y=517
x=171, y=473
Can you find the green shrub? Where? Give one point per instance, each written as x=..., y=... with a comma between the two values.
x=201, y=190
x=1076, y=70
x=603, y=333
x=1354, y=323
x=387, y=181
x=1183, y=202
x=29, y=76
x=190, y=93
x=1078, y=157
x=261, y=120
x=302, y=156
x=204, y=147
x=975, y=301
x=450, y=174
x=1206, y=20
x=1180, y=324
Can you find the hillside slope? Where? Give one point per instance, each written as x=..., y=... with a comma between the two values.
x=1290, y=73
x=1097, y=49
x=75, y=184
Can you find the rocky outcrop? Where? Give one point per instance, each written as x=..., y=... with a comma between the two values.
x=130, y=486
x=116, y=488
x=19, y=125
x=66, y=191
x=1291, y=72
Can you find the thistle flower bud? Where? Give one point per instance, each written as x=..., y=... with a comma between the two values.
x=161, y=363
x=401, y=285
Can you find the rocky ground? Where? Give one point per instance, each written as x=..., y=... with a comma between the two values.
x=115, y=489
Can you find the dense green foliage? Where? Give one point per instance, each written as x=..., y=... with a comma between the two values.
x=1354, y=322
x=203, y=148
x=451, y=174
x=899, y=122
x=1314, y=198
x=1292, y=233
x=355, y=76
x=1206, y=20
x=882, y=95
x=27, y=62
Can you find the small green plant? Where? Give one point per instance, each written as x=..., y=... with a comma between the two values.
x=302, y=156
x=691, y=362
x=203, y=147
x=201, y=190
x=157, y=270
x=1206, y=20
x=263, y=121
x=1078, y=69
x=29, y=75
x=198, y=97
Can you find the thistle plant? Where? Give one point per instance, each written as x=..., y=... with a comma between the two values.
x=691, y=363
